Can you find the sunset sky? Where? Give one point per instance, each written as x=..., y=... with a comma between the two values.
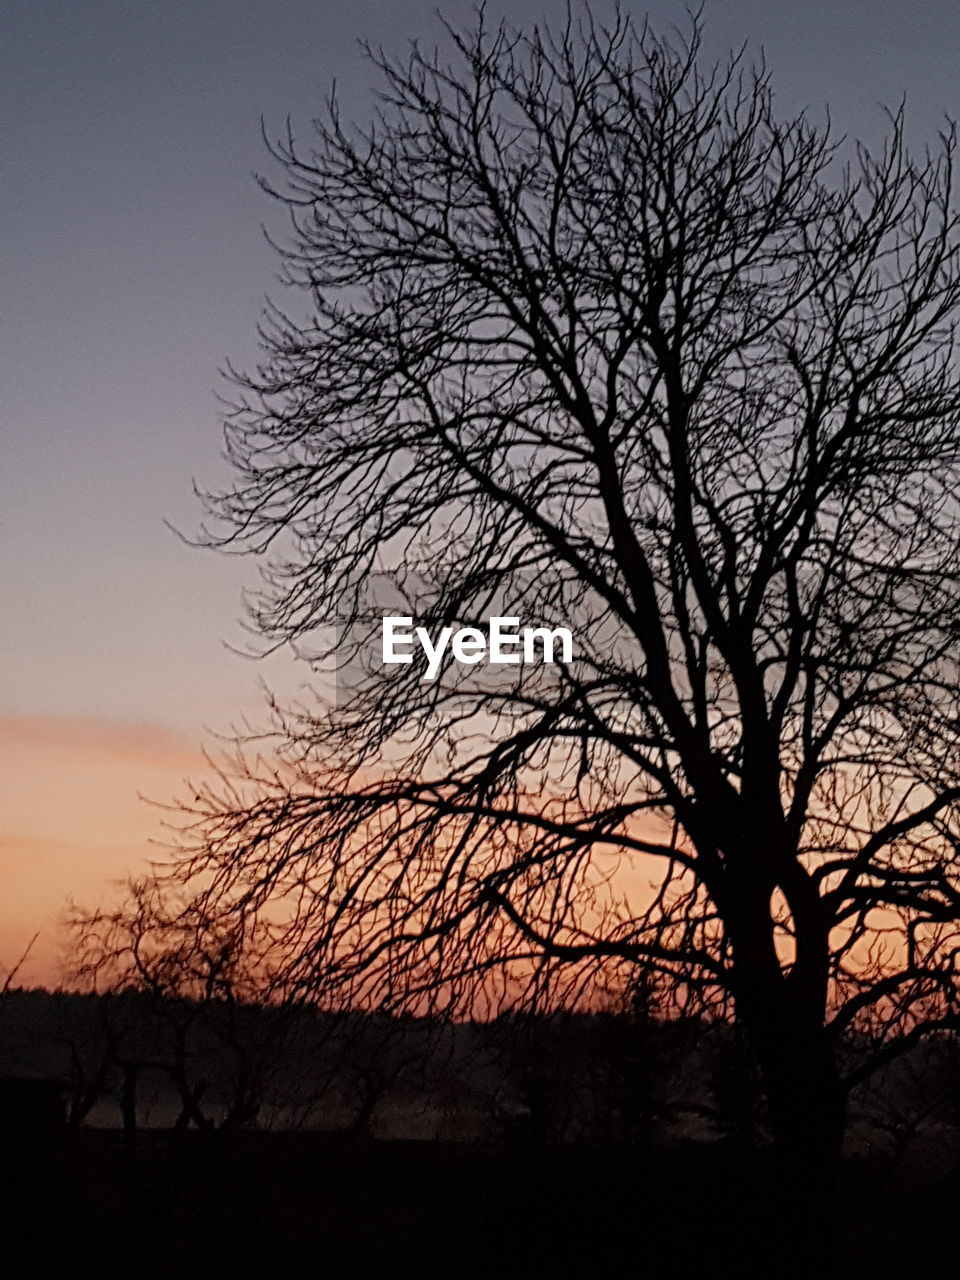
x=133, y=268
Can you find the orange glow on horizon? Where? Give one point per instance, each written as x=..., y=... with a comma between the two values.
x=74, y=823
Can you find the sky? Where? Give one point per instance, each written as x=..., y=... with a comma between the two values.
x=133, y=268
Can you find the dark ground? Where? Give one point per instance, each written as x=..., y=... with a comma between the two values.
x=314, y=1205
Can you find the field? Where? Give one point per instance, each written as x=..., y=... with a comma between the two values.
x=314, y=1205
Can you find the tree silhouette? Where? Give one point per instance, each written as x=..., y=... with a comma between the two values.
x=588, y=336
x=199, y=1022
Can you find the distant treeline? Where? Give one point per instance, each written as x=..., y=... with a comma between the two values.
x=130, y=1060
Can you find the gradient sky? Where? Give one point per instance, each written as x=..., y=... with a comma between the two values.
x=133, y=266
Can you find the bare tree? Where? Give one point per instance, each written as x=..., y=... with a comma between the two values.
x=201, y=1023
x=587, y=335
x=11, y=975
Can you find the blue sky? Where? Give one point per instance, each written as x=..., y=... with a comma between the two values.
x=134, y=266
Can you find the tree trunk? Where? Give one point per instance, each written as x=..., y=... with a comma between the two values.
x=807, y=1108
x=807, y=1111
x=782, y=1008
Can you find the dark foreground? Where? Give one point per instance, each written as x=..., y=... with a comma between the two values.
x=314, y=1205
